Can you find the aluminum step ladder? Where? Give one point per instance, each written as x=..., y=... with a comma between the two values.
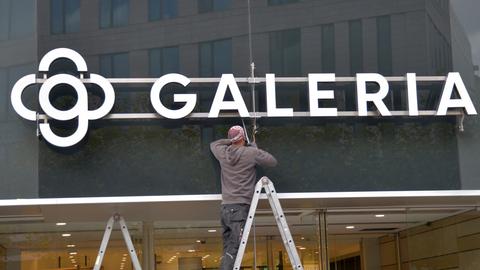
x=116, y=218
x=265, y=183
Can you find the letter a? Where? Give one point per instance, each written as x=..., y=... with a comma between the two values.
x=228, y=81
x=454, y=79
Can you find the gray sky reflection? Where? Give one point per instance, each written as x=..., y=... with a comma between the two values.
x=467, y=13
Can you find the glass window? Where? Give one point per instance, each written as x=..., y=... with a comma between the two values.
x=113, y=13
x=285, y=52
x=281, y=2
x=16, y=19
x=22, y=18
x=114, y=65
x=4, y=19
x=328, y=48
x=384, y=45
x=356, y=46
x=213, y=5
x=162, y=9
x=215, y=58
x=64, y=16
x=4, y=94
x=164, y=61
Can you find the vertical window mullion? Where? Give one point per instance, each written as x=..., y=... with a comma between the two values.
x=162, y=58
x=283, y=51
x=64, y=17
x=160, y=7
x=212, y=58
x=384, y=45
x=111, y=14
x=10, y=8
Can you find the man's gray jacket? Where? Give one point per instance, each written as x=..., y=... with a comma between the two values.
x=238, y=171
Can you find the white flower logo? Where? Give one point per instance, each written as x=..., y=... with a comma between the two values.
x=80, y=109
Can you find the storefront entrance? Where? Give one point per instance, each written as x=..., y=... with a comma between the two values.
x=186, y=234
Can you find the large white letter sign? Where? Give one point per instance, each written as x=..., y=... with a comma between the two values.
x=16, y=97
x=228, y=81
x=315, y=94
x=79, y=110
x=454, y=79
x=377, y=98
x=272, y=110
x=189, y=99
x=412, y=94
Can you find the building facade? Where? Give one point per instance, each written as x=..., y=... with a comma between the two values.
x=371, y=192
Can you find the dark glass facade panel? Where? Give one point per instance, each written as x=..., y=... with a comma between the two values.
x=162, y=9
x=65, y=16
x=285, y=52
x=3, y=93
x=16, y=19
x=205, y=6
x=384, y=45
x=355, y=39
x=441, y=50
x=163, y=61
x=114, y=65
x=114, y=13
x=4, y=20
x=328, y=48
x=281, y=2
x=21, y=18
x=215, y=58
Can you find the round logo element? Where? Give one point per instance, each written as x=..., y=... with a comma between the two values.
x=79, y=110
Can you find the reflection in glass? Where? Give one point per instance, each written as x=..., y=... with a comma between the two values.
x=114, y=13
x=163, y=61
x=215, y=58
x=281, y=2
x=384, y=45
x=162, y=9
x=355, y=39
x=65, y=16
x=16, y=19
x=328, y=48
x=285, y=52
x=205, y=6
x=114, y=65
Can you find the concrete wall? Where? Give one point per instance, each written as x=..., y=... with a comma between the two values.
x=450, y=243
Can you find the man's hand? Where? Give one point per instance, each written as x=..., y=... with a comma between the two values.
x=236, y=138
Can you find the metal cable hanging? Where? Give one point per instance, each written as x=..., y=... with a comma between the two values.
x=254, y=127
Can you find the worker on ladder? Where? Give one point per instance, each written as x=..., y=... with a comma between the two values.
x=238, y=163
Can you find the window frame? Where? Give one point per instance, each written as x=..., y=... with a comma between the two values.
x=111, y=22
x=213, y=6
x=64, y=28
x=161, y=12
x=162, y=52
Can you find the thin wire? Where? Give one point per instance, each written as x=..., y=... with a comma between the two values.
x=250, y=31
x=252, y=70
x=252, y=74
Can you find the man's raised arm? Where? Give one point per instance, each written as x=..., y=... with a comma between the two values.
x=265, y=159
x=219, y=146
